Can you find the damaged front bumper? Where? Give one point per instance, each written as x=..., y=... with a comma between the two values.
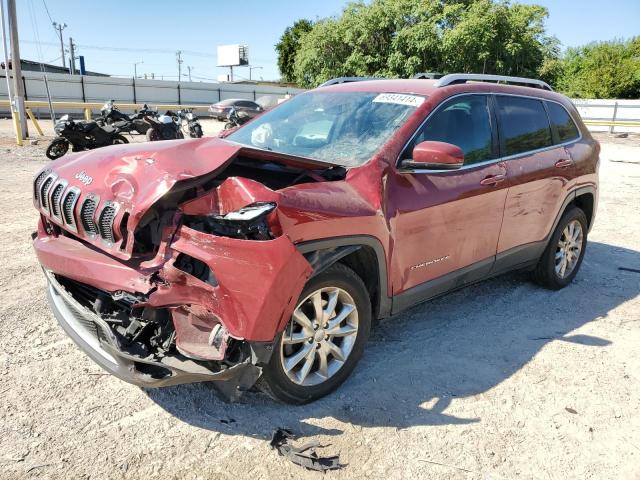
x=223, y=324
x=93, y=335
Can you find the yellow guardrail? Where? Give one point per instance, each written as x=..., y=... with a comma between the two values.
x=617, y=123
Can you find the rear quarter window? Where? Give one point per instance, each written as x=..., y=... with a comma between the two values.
x=523, y=123
x=562, y=122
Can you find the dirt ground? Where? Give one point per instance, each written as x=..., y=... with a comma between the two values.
x=502, y=380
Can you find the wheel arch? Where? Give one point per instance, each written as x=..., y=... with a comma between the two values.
x=363, y=254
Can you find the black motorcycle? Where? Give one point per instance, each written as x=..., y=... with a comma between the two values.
x=235, y=118
x=81, y=135
x=111, y=115
x=193, y=127
x=164, y=127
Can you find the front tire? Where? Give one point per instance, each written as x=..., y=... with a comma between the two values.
x=562, y=258
x=57, y=148
x=324, y=339
x=197, y=132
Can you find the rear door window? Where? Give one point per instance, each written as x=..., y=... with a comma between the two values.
x=523, y=124
x=246, y=104
x=562, y=122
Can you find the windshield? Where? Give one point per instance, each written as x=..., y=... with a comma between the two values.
x=341, y=128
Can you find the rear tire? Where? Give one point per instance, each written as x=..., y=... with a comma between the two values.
x=119, y=140
x=57, y=148
x=333, y=347
x=152, y=135
x=563, y=256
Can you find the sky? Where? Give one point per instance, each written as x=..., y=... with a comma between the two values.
x=113, y=35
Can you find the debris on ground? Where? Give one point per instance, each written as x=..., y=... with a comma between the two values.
x=305, y=455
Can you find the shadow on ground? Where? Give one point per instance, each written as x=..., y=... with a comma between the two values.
x=459, y=345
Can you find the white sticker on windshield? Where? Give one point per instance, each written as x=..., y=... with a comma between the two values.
x=400, y=99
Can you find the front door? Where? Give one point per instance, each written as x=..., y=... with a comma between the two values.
x=446, y=225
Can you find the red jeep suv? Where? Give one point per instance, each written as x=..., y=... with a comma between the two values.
x=262, y=258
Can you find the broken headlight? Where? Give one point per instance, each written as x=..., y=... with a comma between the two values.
x=247, y=223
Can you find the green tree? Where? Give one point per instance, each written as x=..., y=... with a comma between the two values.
x=399, y=38
x=602, y=70
x=288, y=46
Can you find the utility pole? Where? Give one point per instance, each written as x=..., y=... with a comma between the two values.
x=189, y=68
x=72, y=52
x=179, y=60
x=5, y=50
x=135, y=69
x=251, y=69
x=59, y=27
x=18, y=86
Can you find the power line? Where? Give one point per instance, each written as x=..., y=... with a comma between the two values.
x=47, y=10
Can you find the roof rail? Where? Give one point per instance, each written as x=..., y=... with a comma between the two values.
x=335, y=81
x=455, y=78
x=428, y=75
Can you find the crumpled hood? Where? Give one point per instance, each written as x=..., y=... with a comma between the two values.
x=122, y=182
x=137, y=175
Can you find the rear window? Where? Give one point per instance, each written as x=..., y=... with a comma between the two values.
x=562, y=122
x=524, y=125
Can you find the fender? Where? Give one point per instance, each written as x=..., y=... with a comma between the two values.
x=329, y=250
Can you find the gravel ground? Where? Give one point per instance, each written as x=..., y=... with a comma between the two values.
x=502, y=380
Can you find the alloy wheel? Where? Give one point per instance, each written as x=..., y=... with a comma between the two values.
x=320, y=336
x=568, y=249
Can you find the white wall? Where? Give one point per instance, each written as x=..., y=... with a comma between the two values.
x=76, y=88
x=603, y=110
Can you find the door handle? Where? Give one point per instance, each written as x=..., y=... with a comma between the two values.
x=565, y=162
x=493, y=180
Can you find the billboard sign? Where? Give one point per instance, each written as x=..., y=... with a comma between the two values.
x=233, y=55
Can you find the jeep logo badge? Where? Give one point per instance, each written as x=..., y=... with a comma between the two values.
x=83, y=177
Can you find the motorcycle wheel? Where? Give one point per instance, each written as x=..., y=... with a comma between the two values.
x=229, y=126
x=197, y=132
x=152, y=135
x=119, y=140
x=57, y=148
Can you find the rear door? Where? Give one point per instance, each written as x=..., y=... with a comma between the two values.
x=446, y=224
x=539, y=167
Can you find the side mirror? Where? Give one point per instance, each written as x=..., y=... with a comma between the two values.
x=435, y=156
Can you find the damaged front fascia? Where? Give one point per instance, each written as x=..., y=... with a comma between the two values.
x=255, y=282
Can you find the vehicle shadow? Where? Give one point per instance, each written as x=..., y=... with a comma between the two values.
x=416, y=363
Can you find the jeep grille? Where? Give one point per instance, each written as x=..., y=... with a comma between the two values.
x=105, y=224
x=55, y=199
x=86, y=215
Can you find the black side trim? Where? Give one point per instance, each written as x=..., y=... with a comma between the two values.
x=384, y=302
x=441, y=285
x=320, y=260
x=522, y=256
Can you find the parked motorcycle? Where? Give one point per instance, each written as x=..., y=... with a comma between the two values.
x=164, y=127
x=81, y=135
x=190, y=123
x=111, y=115
x=236, y=118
